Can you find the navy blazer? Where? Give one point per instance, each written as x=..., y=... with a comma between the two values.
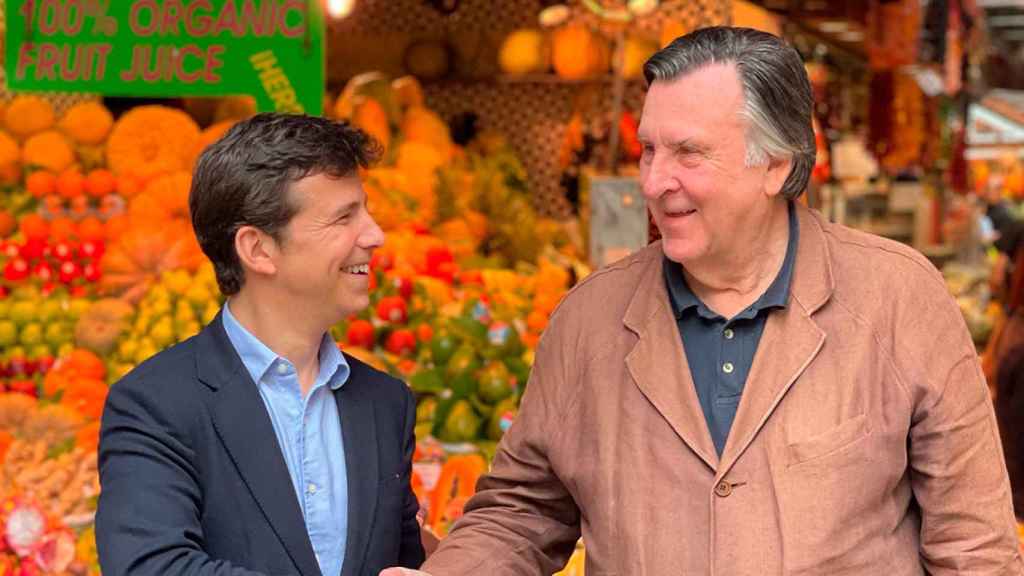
x=193, y=480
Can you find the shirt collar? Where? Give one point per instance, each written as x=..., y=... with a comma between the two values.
x=776, y=296
x=258, y=358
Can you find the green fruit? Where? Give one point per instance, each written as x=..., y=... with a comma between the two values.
x=461, y=371
x=425, y=410
x=40, y=351
x=495, y=383
x=23, y=312
x=5, y=308
x=65, y=349
x=501, y=419
x=31, y=334
x=57, y=333
x=481, y=407
x=427, y=381
x=16, y=352
x=422, y=431
x=49, y=310
x=442, y=347
x=462, y=423
x=8, y=333
x=519, y=369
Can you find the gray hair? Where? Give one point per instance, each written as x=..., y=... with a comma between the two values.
x=777, y=94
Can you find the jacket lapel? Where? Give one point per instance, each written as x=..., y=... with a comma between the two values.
x=658, y=364
x=244, y=426
x=359, y=432
x=790, y=342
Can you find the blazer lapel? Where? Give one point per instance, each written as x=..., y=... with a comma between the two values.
x=790, y=342
x=359, y=433
x=244, y=426
x=658, y=364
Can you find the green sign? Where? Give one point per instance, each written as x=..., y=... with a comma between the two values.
x=270, y=49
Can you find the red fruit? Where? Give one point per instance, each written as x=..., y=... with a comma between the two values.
x=360, y=333
x=16, y=270
x=69, y=271
x=63, y=251
x=45, y=364
x=4, y=291
x=43, y=271
x=16, y=366
x=467, y=277
x=78, y=291
x=48, y=288
x=393, y=309
x=401, y=342
x=437, y=255
x=33, y=250
x=424, y=332
x=11, y=250
x=5, y=371
x=403, y=285
x=30, y=367
x=24, y=387
x=92, y=273
x=91, y=249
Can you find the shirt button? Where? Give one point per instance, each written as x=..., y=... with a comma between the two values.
x=727, y=367
x=282, y=368
x=311, y=488
x=723, y=489
x=728, y=334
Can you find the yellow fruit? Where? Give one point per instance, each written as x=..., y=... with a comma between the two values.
x=635, y=53
x=28, y=115
x=424, y=126
x=127, y=348
x=408, y=92
x=524, y=51
x=87, y=123
x=370, y=116
x=578, y=53
x=49, y=150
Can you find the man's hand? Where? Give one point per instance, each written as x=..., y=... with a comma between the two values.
x=402, y=572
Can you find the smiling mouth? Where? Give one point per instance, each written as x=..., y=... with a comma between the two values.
x=679, y=213
x=358, y=269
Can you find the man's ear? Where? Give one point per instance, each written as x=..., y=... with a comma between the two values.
x=775, y=177
x=257, y=251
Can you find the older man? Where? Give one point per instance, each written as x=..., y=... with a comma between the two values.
x=761, y=392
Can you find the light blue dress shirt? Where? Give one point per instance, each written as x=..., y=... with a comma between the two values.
x=309, y=433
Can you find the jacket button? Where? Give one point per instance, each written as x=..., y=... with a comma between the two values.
x=723, y=489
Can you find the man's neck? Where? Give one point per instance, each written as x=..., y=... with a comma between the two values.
x=284, y=334
x=730, y=281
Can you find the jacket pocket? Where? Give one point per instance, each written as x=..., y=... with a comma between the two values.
x=828, y=442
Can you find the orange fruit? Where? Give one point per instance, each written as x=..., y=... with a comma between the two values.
x=91, y=228
x=99, y=183
x=34, y=227
x=70, y=183
x=53, y=203
x=41, y=183
x=7, y=223
x=80, y=205
x=128, y=185
x=63, y=228
x=84, y=364
x=116, y=225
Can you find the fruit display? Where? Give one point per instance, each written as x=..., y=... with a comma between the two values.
x=100, y=270
x=35, y=329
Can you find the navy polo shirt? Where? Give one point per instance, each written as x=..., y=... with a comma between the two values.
x=720, y=351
